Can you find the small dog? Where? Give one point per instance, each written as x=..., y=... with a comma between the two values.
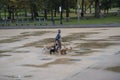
x=64, y=51
x=46, y=48
x=54, y=49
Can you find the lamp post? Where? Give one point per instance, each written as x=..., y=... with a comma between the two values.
x=60, y=10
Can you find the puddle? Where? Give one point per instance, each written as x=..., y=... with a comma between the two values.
x=4, y=55
x=18, y=77
x=10, y=40
x=23, y=36
x=40, y=43
x=75, y=60
x=20, y=51
x=4, y=51
x=83, y=53
x=118, y=53
x=35, y=33
x=76, y=36
x=93, y=44
x=98, y=40
x=97, y=68
x=57, y=61
x=100, y=29
x=46, y=59
x=90, y=47
x=98, y=58
x=114, y=69
x=114, y=38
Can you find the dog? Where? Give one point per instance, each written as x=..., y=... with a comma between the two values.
x=64, y=51
x=46, y=48
x=54, y=49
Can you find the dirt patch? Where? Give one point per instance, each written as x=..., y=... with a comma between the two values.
x=57, y=61
x=114, y=69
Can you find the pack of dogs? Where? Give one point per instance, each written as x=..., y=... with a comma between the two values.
x=54, y=49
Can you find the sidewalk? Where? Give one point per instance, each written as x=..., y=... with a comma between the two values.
x=63, y=26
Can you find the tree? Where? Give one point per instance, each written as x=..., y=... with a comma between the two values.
x=11, y=6
x=116, y=3
x=67, y=5
x=106, y=5
x=1, y=5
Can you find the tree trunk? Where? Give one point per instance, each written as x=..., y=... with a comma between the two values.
x=32, y=15
x=55, y=13
x=82, y=11
x=52, y=17
x=67, y=11
x=9, y=13
x=13, y=16
x=45, y=14
x=67, y=15
x=85, y=9
x=90, y=9
x=97, y=9
x=25, y=12
x=0, y=16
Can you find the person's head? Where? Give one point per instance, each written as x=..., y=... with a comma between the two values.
x=59, y=31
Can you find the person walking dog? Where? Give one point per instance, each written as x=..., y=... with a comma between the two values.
x=58, y=39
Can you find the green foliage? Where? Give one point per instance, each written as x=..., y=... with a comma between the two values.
x=106, y=4
x=37, y=8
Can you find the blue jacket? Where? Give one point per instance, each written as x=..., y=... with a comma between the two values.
x=58, y=37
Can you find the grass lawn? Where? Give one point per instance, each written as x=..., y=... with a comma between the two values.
x=92, y=20
x=88, y=19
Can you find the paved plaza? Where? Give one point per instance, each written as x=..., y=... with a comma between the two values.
x=95, y=54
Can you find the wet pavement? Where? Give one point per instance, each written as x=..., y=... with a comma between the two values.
x=94, y=56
